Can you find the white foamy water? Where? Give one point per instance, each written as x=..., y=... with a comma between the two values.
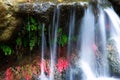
x=90, y=75
x=42, y=75
x=87, y=53
x=104, y=67
x=87, y=30
x=114, y=24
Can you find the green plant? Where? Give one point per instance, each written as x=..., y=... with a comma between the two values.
x=62, y=37
x=31, y=28
x=32, y=25
x=33, y=42
x=19, y=41
x=63, y=40
x=29, y=35
x=6, y=49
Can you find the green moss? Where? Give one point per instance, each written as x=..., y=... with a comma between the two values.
x=6, y=49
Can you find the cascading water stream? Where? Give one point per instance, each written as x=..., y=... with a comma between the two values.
x=53, y=45
x=87, y=35
x=103, y=64
x=114, y=22
x=90, y=75
x=42, y=75
x=71, y=31
x=90, y=48
x=114, y=25
x=70, y=36
x=93, y=69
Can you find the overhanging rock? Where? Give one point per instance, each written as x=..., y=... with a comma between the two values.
x=37, y=8
x=47, y=7
x=44, y=11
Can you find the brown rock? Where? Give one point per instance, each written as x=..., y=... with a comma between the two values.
x=8, y=21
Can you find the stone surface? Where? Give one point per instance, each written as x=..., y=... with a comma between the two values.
x=8, y=22
x=113, y=57
x=45, y=11
x=11, y=12
x=34, y=7
x=40, y=8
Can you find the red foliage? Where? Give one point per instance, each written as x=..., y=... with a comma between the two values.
x=23, y=73
x=8, y=74
x=27, y=77
x=18, y=68
x=45, y=66
x=62, y=64
x=27, y=71
x=34, y=70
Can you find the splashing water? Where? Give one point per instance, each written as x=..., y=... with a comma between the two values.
x=90, y=75
x=92, y=47
x=86, y=68
x=92, y=69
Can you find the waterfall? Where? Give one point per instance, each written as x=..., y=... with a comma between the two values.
x=101, y=44
x=114, y=22
x=70, y=37
x=71, y=30
x=93, y=55
x=114, y=25
x=94, y=31
x=42, y=75
x=87, y=40
x=53, y=45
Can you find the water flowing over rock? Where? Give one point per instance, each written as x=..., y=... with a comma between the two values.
x=85, y=33
x=113, y=57
x=116, y=5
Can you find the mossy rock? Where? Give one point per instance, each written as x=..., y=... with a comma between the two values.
x=113, y=57
x=8, y=22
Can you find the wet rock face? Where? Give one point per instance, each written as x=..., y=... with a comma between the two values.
x=116, y=5
x=113, y=57
x=45, y=11
x=10, y=12
x=38, y=8
x=8, y=22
